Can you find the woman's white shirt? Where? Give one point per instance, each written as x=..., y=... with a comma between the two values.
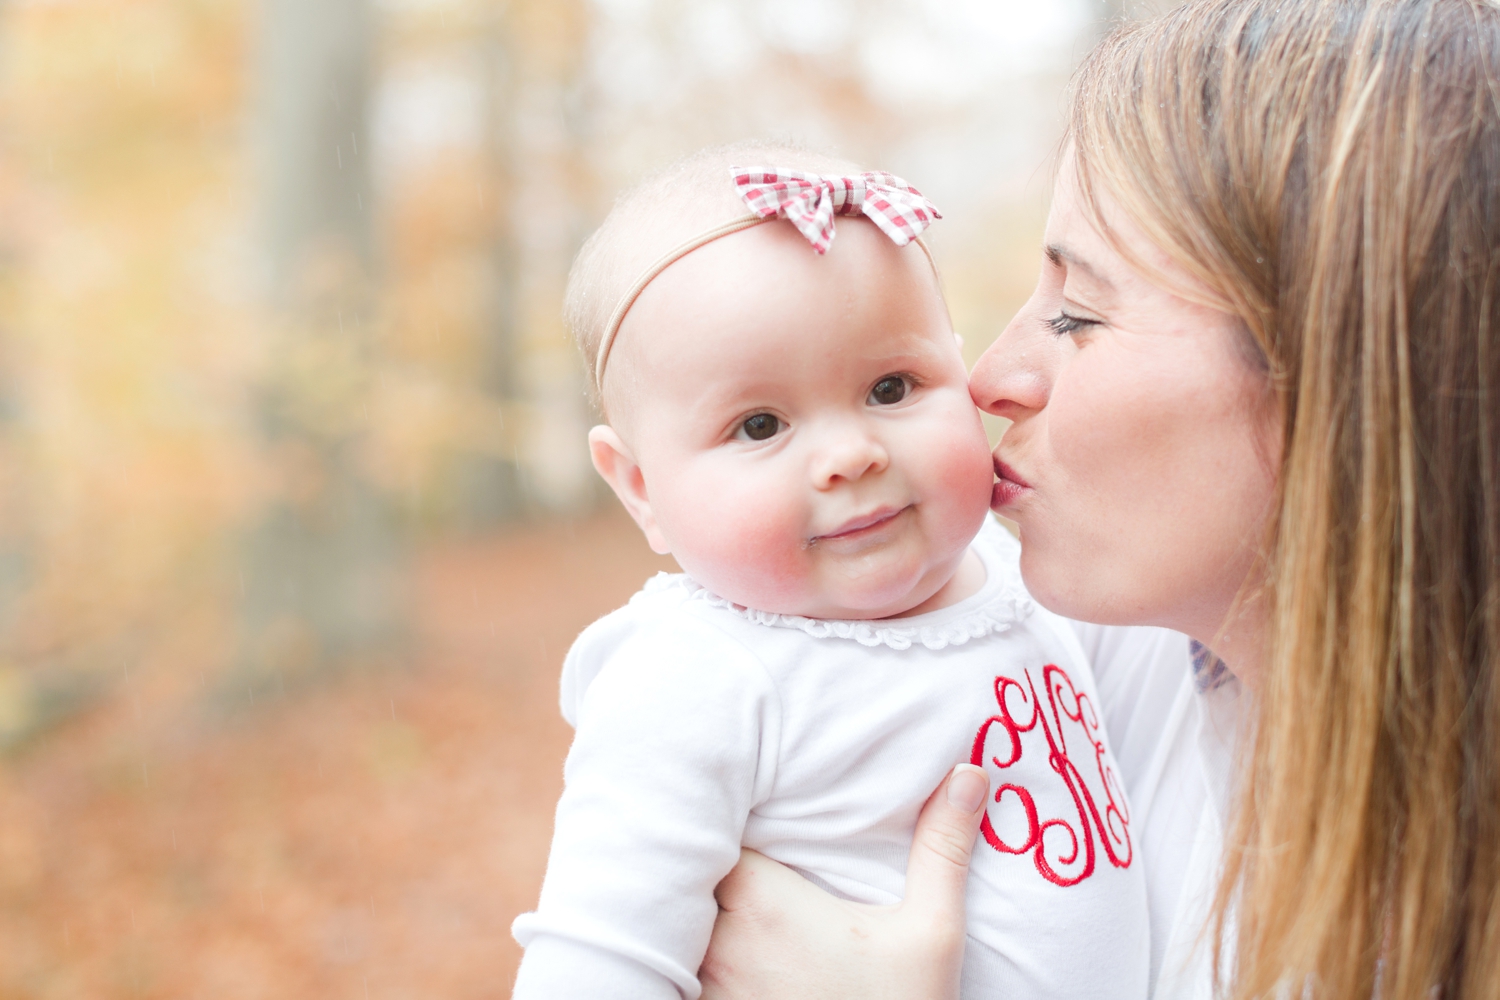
x=1174, y=738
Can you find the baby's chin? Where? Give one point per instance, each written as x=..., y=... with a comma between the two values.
x=876, y=595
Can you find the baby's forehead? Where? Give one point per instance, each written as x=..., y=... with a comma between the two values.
x=651, y=224
x=654, y=222
x=760, y=311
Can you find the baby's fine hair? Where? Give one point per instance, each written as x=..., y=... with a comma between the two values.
x=664, y=210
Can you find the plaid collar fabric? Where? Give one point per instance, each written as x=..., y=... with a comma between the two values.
x=810, y=201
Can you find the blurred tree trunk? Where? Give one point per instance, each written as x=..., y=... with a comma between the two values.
x=551, y=171
x=319, y=568
x=314, y=81
x=489, y=484
x=533, y=78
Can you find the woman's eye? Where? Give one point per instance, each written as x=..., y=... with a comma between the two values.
x=1062, y=324
x=760, y=427
x=891, y=389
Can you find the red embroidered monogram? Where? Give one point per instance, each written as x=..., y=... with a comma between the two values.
x=1061, y=850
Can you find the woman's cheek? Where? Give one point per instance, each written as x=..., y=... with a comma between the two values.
x=1077, y=459
x=1095, y=436
x=1119, y=529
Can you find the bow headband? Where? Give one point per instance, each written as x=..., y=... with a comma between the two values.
x=809, y=202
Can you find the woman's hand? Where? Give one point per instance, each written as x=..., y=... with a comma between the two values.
x=780, y=936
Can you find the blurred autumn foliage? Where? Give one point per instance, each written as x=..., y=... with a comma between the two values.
x=296, y=519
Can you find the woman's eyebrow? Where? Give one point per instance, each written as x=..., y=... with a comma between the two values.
x=1061, y=256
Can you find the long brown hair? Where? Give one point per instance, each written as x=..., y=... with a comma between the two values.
x=1331, y=170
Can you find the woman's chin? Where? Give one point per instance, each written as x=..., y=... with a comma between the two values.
x=1053, y=587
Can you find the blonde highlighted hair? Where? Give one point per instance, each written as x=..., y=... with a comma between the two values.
x=1331, y=170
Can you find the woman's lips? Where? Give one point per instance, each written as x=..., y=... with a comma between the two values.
x=1009, y=486
x=859, y=527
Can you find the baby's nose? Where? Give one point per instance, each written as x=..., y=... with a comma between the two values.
x=848, y=455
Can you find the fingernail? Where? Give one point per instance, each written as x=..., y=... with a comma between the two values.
x=968, y=788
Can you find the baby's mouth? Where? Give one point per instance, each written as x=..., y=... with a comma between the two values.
x=860, y=527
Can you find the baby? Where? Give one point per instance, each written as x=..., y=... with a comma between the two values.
x=792, y=423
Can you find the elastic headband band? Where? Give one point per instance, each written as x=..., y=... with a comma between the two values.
x=667, y=259
x=809, y=202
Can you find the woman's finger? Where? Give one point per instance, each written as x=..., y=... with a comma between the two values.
x=938, y=868
x=774, y=937
x=779, y=935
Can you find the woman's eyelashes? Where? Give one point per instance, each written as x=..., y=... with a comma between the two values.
x=1064, y=323
x=758, y=427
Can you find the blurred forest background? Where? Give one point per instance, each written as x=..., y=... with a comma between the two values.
x=296, y=516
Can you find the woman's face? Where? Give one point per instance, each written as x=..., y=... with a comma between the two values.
x=1140, y=461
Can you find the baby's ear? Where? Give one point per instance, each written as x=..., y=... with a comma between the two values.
x=615, y=462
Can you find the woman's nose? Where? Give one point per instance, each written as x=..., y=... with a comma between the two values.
x=849, y=454
x=1014, y=377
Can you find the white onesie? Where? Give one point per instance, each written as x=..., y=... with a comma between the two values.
x=702, y=726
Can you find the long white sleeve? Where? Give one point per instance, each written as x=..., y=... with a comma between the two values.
x=676, y=740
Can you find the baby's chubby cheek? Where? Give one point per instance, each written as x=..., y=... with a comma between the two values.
x=739, y=542
x=957, y=477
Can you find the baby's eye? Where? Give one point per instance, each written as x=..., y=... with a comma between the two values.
x=759, y=427
x=891, y=389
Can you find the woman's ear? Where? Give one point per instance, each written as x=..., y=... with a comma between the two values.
x=614, y=461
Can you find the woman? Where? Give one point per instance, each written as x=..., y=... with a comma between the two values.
x=1255, y=399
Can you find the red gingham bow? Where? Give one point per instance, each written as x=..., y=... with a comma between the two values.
x=810, y=201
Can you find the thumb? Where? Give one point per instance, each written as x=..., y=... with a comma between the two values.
x=938, y=868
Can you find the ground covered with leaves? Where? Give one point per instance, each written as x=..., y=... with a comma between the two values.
x=370, y=834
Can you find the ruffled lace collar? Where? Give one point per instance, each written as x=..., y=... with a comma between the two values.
x=993, y=609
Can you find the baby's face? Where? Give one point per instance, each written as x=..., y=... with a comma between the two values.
x=803, y=424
